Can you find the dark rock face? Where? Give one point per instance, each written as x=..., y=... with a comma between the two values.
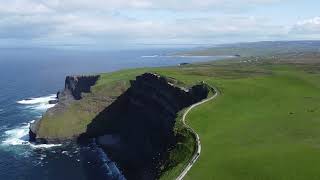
x=143, y=118
x=140, y=121
x=79, y=84
x=74, y=87
x=33, y=136
x=53, y=101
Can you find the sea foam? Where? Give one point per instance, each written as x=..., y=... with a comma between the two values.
x=150, y=56
x=38, y=103
x=20, y=134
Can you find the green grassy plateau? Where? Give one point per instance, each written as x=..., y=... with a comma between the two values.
x=265, y=124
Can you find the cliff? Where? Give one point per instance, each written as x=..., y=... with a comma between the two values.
x=135, y=126
x=140, y=124
x=75, y=86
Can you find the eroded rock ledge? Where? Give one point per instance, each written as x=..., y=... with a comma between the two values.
x=137, y=128
x=74, y=87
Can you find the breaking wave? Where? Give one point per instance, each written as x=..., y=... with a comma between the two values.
x=19, y=136
x=39, y=103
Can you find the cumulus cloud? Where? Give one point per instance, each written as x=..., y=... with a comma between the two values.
x=22, y=7
x=162, y=21
x=308, y=26
x=143, y=4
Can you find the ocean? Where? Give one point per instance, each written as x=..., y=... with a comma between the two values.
x=29, y=78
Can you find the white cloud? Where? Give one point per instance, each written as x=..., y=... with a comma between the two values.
x=209, y=29
x=308, y=26
x=71, y=5
x=22, y=7
x=95, y=21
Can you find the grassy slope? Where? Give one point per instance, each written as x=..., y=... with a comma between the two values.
x=182, y=152
x=264, y=125
x=80, y=114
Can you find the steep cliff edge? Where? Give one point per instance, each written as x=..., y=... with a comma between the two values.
x=134, y=124
x=137, y=130
x=75, y=86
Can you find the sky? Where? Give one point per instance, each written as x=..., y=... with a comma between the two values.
x=128, y=23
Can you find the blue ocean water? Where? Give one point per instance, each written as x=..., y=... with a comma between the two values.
x=31, y=77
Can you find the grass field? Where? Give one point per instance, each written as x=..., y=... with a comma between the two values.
x=265, y=125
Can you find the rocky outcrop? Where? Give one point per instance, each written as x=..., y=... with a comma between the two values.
x=137, y=128
x=53, y=101
x=142, y=121
x=74, y=87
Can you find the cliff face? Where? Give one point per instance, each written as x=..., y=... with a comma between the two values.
x=74, y=87
x=142, y=121
x=136, y=128
x=79, y=84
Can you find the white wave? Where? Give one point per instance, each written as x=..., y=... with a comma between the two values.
x=44, y=146
x=152, y=56
x=20, y=136
x=38, y=100
x=39, y=103
x=41, y=107
x=188, y=56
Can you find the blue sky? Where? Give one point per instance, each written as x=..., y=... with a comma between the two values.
x=127, y=23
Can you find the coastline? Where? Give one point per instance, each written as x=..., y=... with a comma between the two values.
x=37, y=109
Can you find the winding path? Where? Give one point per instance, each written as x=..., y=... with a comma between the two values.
x=197, y=153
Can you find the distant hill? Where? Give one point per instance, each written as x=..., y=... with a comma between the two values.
x=263, y=48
